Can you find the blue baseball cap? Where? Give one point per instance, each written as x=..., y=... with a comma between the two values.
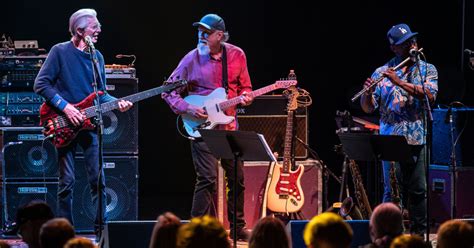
x=211, y=22
x=399, y=34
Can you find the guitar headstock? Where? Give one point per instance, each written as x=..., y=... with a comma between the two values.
x=292, y=95
x=285, y=83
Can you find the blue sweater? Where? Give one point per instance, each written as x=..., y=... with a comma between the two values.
x=66, y=76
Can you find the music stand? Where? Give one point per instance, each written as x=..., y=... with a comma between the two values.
x=237, y=145
x=374, y=147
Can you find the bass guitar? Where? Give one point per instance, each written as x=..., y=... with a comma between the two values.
x=215, y=104
x=285, y=194
x=58, y=126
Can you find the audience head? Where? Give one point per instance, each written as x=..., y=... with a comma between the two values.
x=79, y=242
x=4, y=244
x=455, y=233
x=327, y=230
x=165, y=231
x=408, y=241
x=386, y=223
x=55, y=233
x=204, y=231
x=269, y=232
x=29, y=220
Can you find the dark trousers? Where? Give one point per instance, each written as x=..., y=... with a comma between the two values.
x=89, y=142
x=412, y=187
x=205, y=165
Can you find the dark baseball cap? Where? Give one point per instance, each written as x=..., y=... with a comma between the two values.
x=399, y=34
x=211, y=22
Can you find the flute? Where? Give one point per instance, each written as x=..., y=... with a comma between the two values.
x=380, y=78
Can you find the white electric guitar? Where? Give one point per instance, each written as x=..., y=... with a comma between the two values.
x=284, y=192
x=216, y=103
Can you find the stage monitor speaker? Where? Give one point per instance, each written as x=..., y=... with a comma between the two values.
x=440, y=193
x=267, y=115
x=360, y=230
x=26, y=155
x=255, y=177
x=18, y=194
x=121, y=128
x=121, y=179
x=138, y=233
x=463, y=123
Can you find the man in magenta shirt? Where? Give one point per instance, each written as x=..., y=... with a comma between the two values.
x=203, y=69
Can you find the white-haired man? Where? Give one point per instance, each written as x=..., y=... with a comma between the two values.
x=66, y=78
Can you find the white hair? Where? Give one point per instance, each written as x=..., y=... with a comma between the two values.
x=79, y=19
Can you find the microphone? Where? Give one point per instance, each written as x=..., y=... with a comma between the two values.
x=414, y=52
x=119, y=56
x=89, y=42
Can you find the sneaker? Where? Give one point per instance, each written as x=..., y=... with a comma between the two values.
x=243, y=234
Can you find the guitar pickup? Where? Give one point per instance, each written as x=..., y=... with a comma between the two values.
x=283, y=196
x=202, y=125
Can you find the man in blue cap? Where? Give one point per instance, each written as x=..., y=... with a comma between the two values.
x=214, y=63
x=399, y=96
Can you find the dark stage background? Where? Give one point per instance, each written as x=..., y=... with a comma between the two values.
x=333, y=47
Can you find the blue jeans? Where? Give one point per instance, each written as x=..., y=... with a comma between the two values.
x=205, y=165
x=412, y=187
x=88, y=140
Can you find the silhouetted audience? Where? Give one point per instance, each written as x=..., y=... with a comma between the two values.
x=409, y=241
x=79, y=242
x=165, y=231
x=204, y=231
x=30, y=218
x=327, y=230
x=55, y=233
x=386, y=223
x=269, y=232
x=4, y=244
x=455, y=233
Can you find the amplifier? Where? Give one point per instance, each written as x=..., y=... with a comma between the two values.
x=26, y=156
x=267, y=115
x=19, y=72
x=18, y=194
x=20, y=98
x=463, y=124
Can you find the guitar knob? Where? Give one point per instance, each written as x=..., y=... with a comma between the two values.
x=291, y=190
x=298, y=197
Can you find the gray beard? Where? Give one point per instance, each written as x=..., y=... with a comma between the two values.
x=203, y=49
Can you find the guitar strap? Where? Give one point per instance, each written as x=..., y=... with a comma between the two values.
x=224, y=69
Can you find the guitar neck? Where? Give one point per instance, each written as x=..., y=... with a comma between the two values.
x=288, y=142
x=109, y=106
x=236, y=100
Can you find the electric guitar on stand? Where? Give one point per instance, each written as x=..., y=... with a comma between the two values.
x=284, y=193
x=215, y=104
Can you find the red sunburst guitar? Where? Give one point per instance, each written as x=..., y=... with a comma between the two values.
x=284, y=193
x=58, y=126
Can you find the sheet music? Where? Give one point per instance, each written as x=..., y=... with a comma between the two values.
x=267, y=148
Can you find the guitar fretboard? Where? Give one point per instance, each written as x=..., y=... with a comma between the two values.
x=236, y=100
x=109, y=106
x=288, y=142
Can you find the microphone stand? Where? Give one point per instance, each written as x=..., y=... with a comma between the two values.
x=100, y=128
x=428, y=120
x=325, y=171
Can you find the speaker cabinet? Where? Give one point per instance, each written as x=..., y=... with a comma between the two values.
x=463, y=124
x=440, y=193
x=255, y=179
x=18, y=194
x=27, y=156
x=121, y=179
x=267, y=115
x=121, y=128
